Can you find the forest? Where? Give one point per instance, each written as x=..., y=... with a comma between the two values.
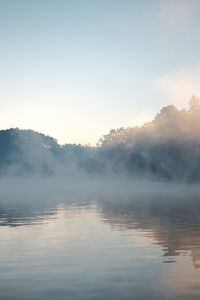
x=167, y=148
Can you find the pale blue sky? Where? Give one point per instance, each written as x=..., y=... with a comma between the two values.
x=74, y=69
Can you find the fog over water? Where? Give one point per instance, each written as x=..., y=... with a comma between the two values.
x=116, y=221
x=98, y=239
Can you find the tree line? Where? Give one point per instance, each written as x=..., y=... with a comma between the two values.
x=167, y=148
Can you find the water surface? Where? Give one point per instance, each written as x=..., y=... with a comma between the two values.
x=120, y=244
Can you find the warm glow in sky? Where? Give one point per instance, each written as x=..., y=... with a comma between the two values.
x=74, y=69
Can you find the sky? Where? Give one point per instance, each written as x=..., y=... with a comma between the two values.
x=74, y=69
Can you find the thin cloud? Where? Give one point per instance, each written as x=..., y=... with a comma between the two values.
x=176, y=88
x=178, y=13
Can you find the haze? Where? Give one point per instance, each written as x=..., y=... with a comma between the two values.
x=99, y=149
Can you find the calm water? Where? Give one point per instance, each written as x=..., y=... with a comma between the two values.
x=117, y=244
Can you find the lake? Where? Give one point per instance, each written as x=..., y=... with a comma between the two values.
x=99, y=241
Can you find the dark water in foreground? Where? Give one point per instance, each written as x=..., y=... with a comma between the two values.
x=100, y=245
